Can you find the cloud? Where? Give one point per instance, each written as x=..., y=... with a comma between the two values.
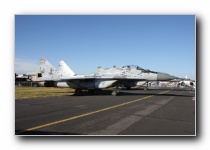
x=26, y=65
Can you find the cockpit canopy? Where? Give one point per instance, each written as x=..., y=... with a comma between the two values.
x=133, y=67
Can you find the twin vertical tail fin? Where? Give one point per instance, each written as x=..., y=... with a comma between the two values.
x=64, y=70
x=47, y=70
x=50, y=73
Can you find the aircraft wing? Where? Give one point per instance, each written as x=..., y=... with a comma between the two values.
x=75, y=78
x=124, y=78
x=100, y=78
x=67, y=79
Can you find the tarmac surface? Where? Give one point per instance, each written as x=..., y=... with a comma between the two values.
x=132, y=113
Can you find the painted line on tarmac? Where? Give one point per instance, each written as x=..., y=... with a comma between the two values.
x=86, y=114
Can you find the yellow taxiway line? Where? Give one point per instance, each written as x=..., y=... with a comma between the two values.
x=87, y=114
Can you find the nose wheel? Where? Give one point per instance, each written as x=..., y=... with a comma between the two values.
x=114, y=93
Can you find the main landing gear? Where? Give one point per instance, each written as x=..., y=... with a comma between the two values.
x=78, y=92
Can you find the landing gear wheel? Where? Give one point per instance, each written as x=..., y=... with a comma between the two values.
x=91, y=92
x=114, y=93
x=128, y=88
x=78, y=92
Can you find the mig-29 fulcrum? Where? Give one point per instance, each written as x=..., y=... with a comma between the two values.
x=65, y=77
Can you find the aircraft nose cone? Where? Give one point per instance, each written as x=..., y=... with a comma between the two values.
x=164, y=76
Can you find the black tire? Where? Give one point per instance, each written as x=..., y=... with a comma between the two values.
x=78, y=92
x=91, y=92
x=128, y=88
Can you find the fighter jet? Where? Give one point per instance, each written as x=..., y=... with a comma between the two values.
x=134, y=71
x=105, y=78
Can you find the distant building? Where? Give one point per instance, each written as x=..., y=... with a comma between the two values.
x=29, y=79
x=35, y=76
